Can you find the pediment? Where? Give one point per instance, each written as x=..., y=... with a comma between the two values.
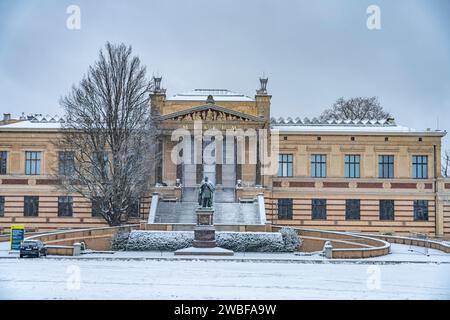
x=210, y=112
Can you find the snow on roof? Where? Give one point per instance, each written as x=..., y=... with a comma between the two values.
x=202, y=95
x=36, y=121
x=385, y=126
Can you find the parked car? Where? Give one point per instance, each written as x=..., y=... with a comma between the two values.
x=33, y=248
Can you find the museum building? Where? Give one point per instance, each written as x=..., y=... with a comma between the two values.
x=360, y=175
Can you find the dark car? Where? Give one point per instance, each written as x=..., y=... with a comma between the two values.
x=32, y=248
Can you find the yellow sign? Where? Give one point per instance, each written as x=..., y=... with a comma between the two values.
x=17, y=235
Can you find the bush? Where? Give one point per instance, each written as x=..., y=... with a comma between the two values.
x=284, y=241
x=250, y=241
x=291, y=239
x=119, y=241
x=159, y=240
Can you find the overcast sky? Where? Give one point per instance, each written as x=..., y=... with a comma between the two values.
x=312, y=51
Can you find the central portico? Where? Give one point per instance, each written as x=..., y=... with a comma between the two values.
x=199, y=122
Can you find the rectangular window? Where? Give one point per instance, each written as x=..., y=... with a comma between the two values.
x=65, y=206
x=133, y=208
x=96, y=207
x=352, y=209
x=387, y=209
x=32, y=162
x=318, y=166
x=100, y=163
x=285, y=209
x=285, y=165
x=2, y=206
x=420, y=167
x=3, y=161
x=66, y=163
x=30, y=206
x=386, y=166
x=420, y=210
x=319, y=209
x=352, y=166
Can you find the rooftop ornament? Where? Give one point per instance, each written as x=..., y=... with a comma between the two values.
x=210, y=99
x=263, y=86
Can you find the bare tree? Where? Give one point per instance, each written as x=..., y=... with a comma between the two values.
x=446, y=164
x=109, y=134
x=356, y=108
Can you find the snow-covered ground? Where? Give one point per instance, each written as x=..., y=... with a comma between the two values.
x=403, y=274
x=103, y=279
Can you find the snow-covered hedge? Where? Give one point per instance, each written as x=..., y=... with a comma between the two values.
x=119, y=241
x=284, y=241
x=159, y=240
x=290, y=239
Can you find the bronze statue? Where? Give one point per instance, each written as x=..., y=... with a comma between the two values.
x=206, y=193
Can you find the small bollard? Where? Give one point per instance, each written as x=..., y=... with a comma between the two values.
x=76, y=249
x=328, y=250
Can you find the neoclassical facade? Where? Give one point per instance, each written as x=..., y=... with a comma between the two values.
x=362, y=175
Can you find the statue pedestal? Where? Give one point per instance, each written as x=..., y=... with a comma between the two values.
x=204, y=237
x=204, y=231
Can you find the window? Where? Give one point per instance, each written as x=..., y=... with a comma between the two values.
x=386, y=166
x=96, y=207
x=352, y=166
x=352, y=209
x=319, y=209
x=285, y=165
x=100, y=163
x=133, y=208
x=387, y=209
x=318, y=166
x=2, y=206
x=31, y=206
x=420, y=167
x=284, y=208
x=65, y=206
x=3, y=157
x=420, y=210
x=33, y=162
x=66, y=162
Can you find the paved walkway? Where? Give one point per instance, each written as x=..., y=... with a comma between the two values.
x=400, y=254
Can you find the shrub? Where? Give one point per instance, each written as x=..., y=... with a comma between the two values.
x=159, y=240
x=291, y=239
x=250, y=241
x=284, y=241
x=119, y=241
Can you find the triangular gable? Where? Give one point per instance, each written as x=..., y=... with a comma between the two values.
x=211, y=112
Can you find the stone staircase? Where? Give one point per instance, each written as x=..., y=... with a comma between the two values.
x=225, y=195
x=226, y=211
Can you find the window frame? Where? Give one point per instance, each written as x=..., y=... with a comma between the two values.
x=3, y=162
x=63, y=168
x=31, y=206
x=65, y=205
x=421, y=205
x=352, y=163
x=318, y=165
x=2, y=206
x=33, y=164
x=383, y=207
x=352, y=204
x=285, y=165
x=419, y=166
x=321, y=206
x=285, y=204
x=386, y=167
